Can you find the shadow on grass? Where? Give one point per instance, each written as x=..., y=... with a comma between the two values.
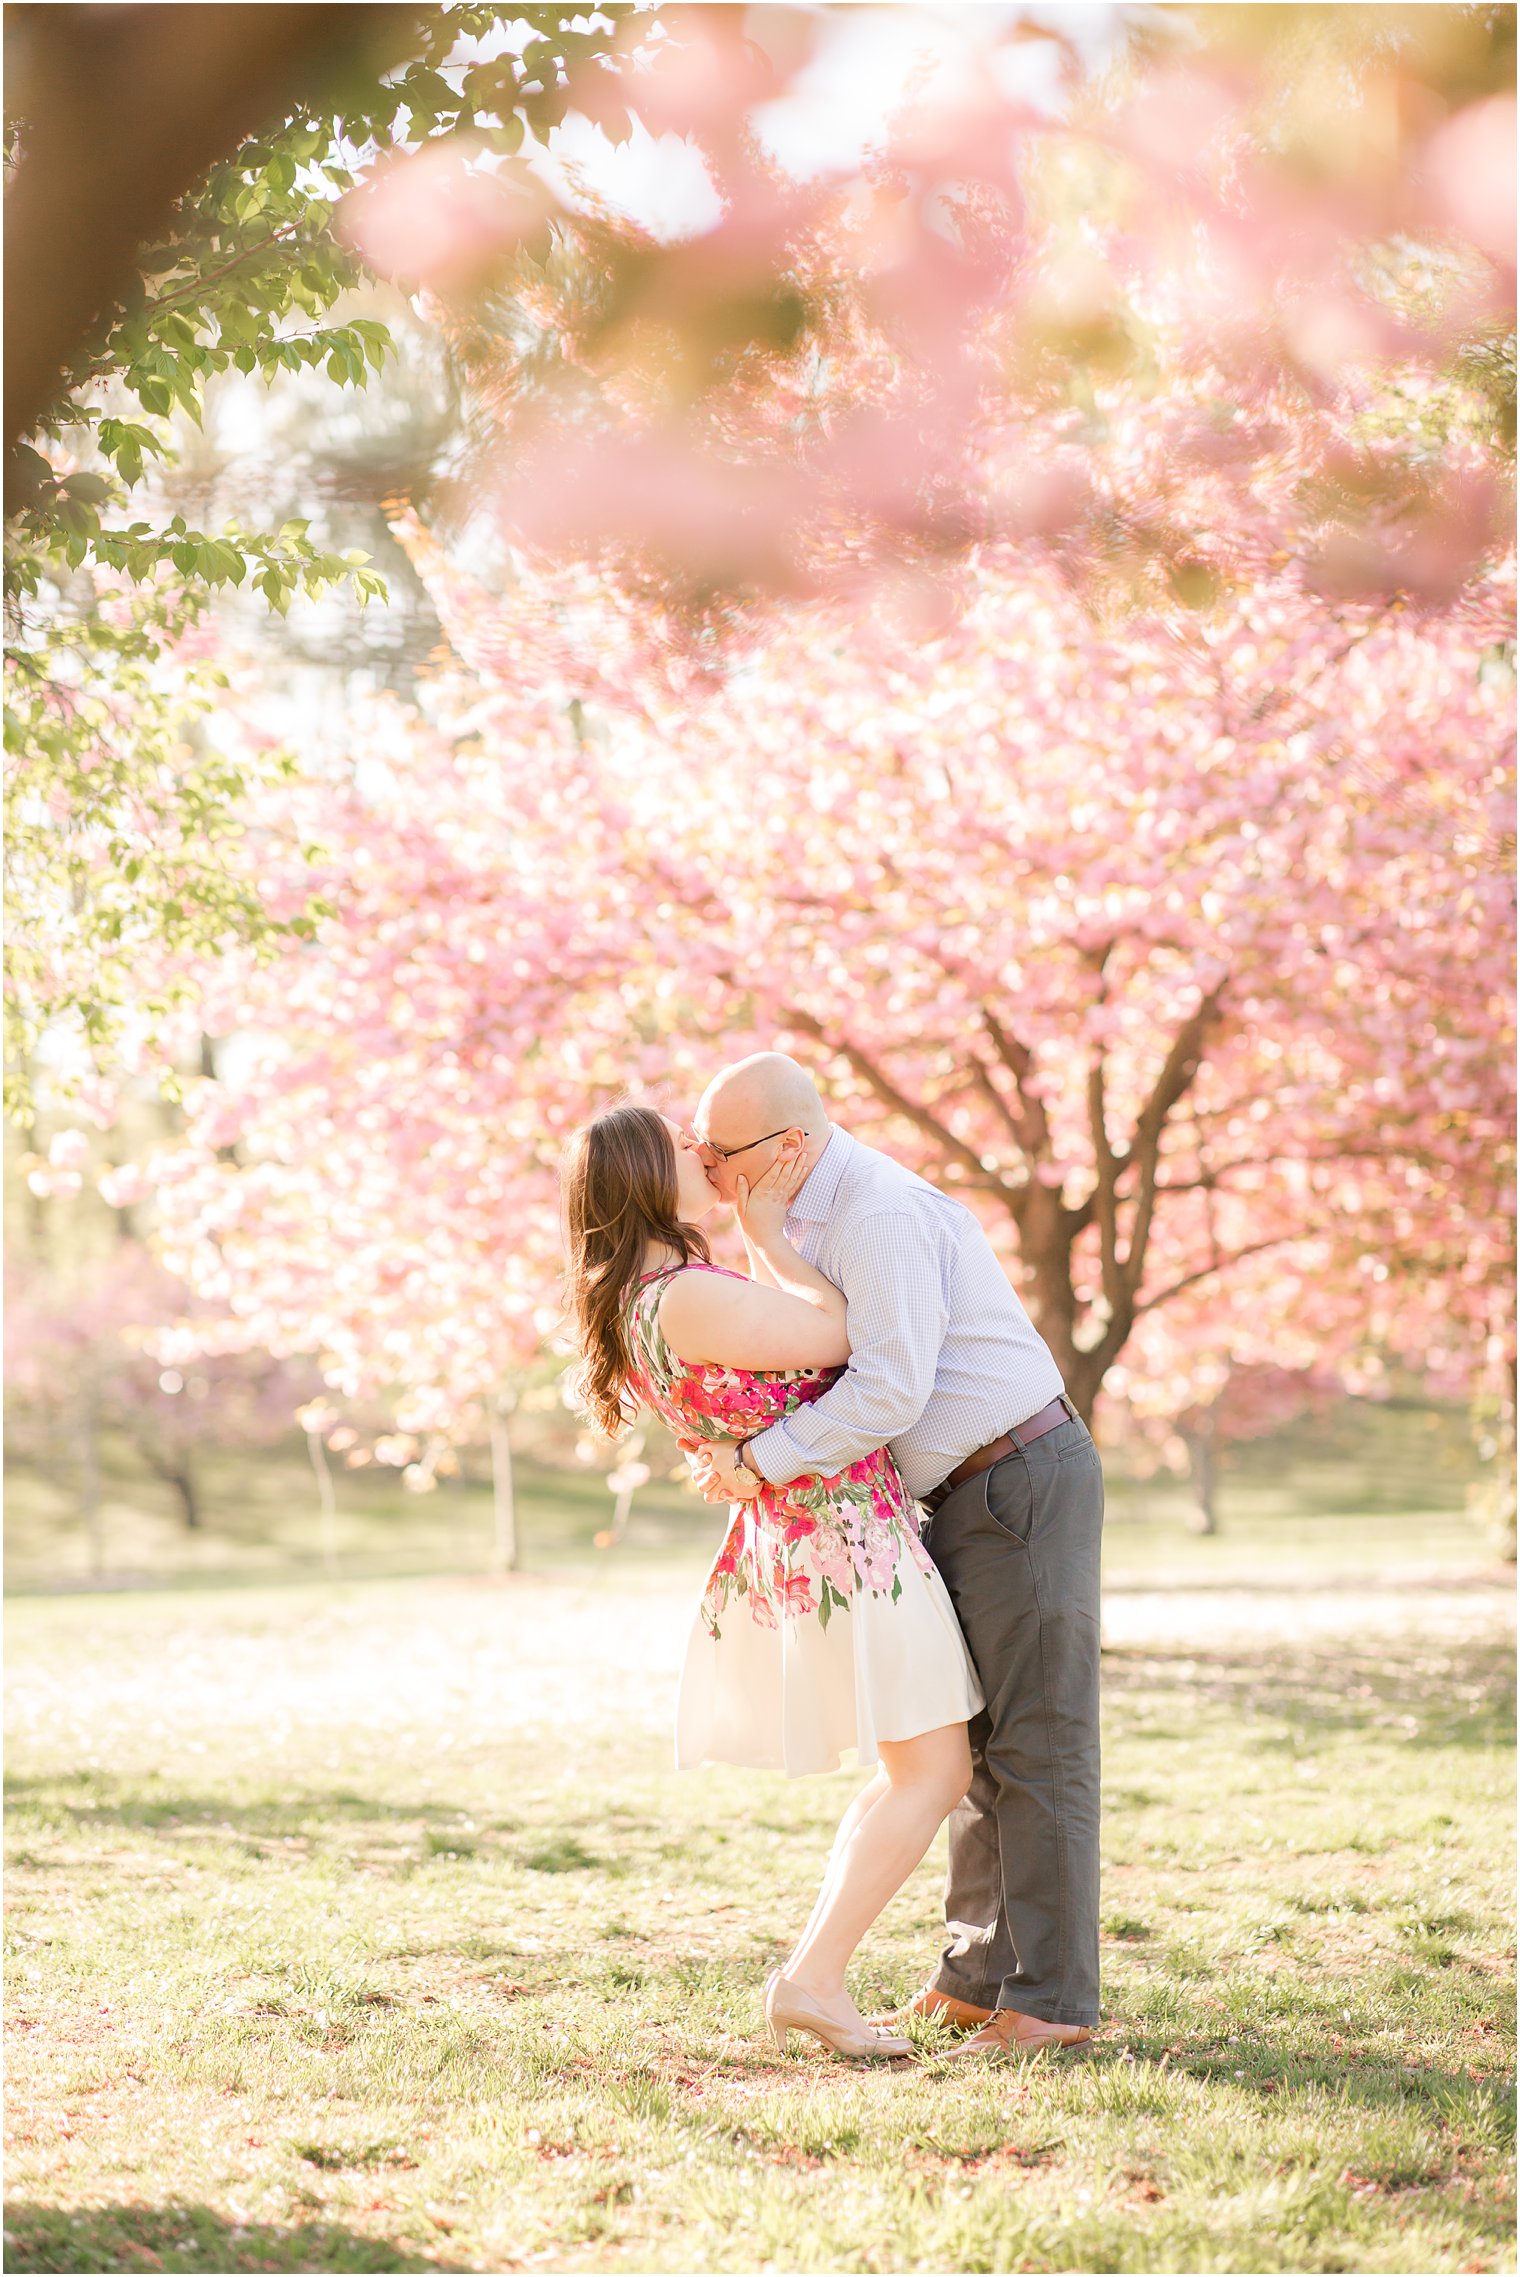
x=281, y=1829
x=109, y=1801
x=1426, y=1694
x=181, y=2235
x=1138, y=2061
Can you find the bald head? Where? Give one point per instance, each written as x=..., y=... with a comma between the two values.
x=769, y=1085
x=766, y=1096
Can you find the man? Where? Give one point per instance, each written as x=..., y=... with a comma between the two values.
x=947, y=1369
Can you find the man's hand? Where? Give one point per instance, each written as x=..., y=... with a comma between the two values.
x=721, y=1476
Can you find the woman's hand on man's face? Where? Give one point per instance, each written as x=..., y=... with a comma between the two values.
x=762, y=1207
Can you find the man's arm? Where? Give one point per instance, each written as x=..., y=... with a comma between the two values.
x=896, y=1321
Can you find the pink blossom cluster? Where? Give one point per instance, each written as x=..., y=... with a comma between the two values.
x=1179, y=946
x=817, y=388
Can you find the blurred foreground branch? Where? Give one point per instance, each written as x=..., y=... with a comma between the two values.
x=125, y=109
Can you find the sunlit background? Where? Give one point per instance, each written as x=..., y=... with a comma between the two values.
x=547, y=551
x=890, y=421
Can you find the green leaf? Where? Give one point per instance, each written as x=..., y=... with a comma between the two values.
x=34, y=463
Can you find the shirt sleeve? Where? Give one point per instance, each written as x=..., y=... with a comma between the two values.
x=889, y=1269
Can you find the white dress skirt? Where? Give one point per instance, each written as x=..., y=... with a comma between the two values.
x=824, y=1627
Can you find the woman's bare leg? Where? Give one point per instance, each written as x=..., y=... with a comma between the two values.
x=886, y=1832
x=870, y=1794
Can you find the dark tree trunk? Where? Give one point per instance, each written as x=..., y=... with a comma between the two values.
x=178, y=1472
x=327, y=1503
x=124, y=109
x=89, y=1475
x=504, y=1553
x=183, y=1482
x=1203, y=1475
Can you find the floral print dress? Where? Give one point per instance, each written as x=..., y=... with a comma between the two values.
x=824, y=1625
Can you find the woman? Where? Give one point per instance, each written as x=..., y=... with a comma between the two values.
x=824, y=1625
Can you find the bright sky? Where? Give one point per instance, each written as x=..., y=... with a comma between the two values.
x=869, y=57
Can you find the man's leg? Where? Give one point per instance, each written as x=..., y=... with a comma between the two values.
x=979, y=1953
x=1018, y=1548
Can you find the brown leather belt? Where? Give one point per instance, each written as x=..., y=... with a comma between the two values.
x=1060, y=1410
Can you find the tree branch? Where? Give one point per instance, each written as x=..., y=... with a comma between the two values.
x=1177, y=1073
x=887, y=1091
x=989, y=1090
x=1220, y=1265
x=1105, y=1192
x=1019, y=1060
x=214, y=276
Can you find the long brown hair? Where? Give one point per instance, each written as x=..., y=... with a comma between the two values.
x=619, y=1183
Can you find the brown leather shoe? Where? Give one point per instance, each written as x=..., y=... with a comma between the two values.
x=938, y=2008
x=1010, y=2035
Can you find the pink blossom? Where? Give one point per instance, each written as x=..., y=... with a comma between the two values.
x=437, y=217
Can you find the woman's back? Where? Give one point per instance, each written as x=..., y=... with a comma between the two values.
x=709, y=1399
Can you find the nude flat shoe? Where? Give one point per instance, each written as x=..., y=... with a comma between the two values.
x=788, y=2009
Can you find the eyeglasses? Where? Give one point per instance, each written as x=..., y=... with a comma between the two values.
x=727, y=1153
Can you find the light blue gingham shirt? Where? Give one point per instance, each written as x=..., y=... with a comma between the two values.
x=943, y=1357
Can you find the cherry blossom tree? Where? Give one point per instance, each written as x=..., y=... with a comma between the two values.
x=1178, y=948
x=114, y=1347
x=833, y=385
x=1110, y=799
x=1237, y=1403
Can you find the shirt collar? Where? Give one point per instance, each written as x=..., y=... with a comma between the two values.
x=820, y=1188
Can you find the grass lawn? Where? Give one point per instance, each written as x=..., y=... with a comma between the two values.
x=364, y=1926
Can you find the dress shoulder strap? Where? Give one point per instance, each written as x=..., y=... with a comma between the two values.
x=643, y=1314
x=692, y=1265
x=644, y=1299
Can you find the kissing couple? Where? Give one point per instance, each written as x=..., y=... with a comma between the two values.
x=874, y=1358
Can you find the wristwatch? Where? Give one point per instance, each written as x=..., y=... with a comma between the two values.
x=743, y=1458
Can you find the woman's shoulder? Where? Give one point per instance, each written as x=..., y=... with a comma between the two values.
x=693, y=1280
x=689, y=1293
x=696, y=1279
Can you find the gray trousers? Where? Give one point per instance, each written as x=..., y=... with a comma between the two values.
x=1018, y=1548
